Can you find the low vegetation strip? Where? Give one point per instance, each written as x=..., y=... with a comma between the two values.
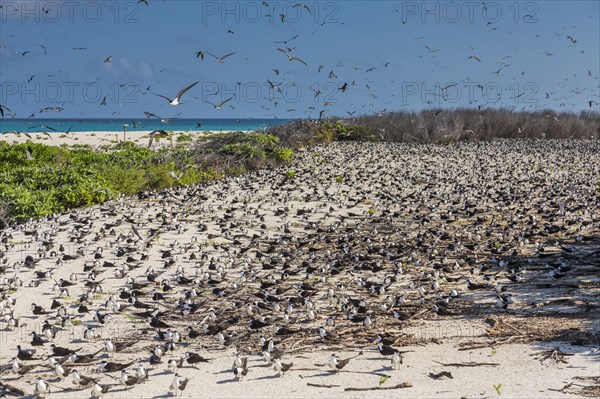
x=462, y=124
x=444, y=126
x=37, y=179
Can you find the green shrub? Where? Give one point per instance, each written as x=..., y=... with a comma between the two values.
x=284, y=154
x=61, y=177
x=244, y=150
x=182, y=138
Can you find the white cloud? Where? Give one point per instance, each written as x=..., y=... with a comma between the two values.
x=125, y=64
x=145, y=69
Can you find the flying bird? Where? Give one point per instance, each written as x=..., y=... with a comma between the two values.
x=218, y=106
x=290, y=58
x=2, y=108
x=222, y=58
x=178, y=97
x=273, y=85
x=474, y=57
x=302, y=5
x=286, y=41
x=44, y=47
x=108, y=59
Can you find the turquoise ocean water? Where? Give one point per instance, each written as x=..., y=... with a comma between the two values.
x=116, y=125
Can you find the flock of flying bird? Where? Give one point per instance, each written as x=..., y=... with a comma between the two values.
x=261, y=266
x=327, y=94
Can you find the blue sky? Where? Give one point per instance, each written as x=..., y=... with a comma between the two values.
x=392, y=55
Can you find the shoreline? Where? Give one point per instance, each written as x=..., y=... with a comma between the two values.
x=100, y=138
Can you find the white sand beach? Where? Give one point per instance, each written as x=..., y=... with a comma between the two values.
x=99, y=138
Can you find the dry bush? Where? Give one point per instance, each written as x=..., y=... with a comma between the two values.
x=470, y=124
x=297, y=134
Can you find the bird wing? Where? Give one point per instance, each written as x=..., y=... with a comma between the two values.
x=44, y=47
x=226, y=55
x=184, y=90
x=166, y=98
x=298, y=59
x=137, y=233
x=283, y=51
x=225, y=101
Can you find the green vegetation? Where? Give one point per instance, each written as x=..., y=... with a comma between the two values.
x=239, y=152
x=182, y=138
x=329, y=131
x=305, y=133
x=61, y=178
x=497, y=388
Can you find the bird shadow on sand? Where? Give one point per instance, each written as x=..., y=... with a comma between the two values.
x=122, y=389
x=265, y=377
x=226, y=371
x=166, y=395
x=383, y=368
x=323, y=374
x=227, y=381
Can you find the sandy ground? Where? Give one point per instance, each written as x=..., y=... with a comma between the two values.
x=488, y=352
x=99, y=138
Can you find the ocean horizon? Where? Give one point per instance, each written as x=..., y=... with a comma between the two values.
x=117, y=125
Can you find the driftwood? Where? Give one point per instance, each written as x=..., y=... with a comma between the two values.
x=468, y=364
x=310, y=384
x=397, y=386
x=555, y=355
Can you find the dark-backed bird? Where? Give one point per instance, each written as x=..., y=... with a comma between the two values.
x=178, y=96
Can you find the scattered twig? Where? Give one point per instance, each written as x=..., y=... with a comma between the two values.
x=397, y=386
x=512, y=327
x=561, y=389
x=474, y=346
x=310, y=384
x=555, y=355
x=468, y=364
